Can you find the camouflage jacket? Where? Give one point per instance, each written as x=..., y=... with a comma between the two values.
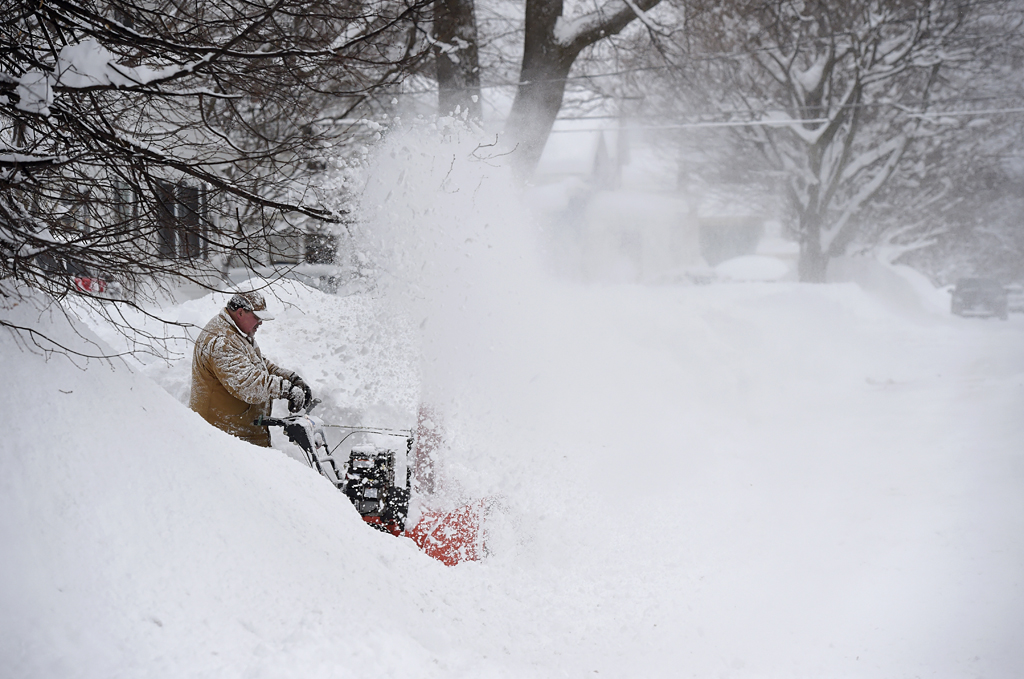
x=232, y=384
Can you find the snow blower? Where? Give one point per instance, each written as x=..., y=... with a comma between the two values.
x=381, y=497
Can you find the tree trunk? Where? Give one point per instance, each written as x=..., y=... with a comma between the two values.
x=537, y=103
x=541, y=84
x=547, y=59
x=813, y=266
x=813, y=263
x=458, y=70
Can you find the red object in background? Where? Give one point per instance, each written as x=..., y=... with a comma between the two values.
x=96, y=285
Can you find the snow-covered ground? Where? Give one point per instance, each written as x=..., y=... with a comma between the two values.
x=733, y=480
x=761, y=480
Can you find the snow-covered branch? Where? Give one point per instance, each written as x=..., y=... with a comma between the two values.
x=608, y=19
x=140, y=146
x=841, y=232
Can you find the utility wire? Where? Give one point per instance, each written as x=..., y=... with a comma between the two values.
x=770, y=123
x=683, y=126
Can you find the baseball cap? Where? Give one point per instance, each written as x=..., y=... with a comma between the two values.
x=251, y=301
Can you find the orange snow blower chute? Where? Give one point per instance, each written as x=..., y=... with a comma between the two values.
x=368, y=479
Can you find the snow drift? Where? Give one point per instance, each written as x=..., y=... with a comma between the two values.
x=701, y=481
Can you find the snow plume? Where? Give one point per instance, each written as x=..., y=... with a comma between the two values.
x=443, y=218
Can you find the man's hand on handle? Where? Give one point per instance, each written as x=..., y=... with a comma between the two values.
x=299, y=395
x=296, y=400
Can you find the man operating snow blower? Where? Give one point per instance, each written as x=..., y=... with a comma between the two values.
x=232, y=383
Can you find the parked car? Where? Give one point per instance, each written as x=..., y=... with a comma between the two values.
x=979, y=297
x=81, y=278
x=1015, y=297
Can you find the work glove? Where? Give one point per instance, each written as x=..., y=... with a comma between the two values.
x=296, y=399
x=301, y=384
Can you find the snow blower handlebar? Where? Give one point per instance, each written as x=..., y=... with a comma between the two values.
x=398, y=433
x=262, y=421
x=300, y=430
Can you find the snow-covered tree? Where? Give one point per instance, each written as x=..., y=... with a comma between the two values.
x=137, y=138
x=960, y=217
x=840, y=100
x=554, y=37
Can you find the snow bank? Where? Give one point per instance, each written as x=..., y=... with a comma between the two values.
x=139, y=541
x=759, y=480
x=900, y=287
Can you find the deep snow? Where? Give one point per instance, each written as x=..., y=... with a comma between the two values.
x=731, y=480
x=734, y=480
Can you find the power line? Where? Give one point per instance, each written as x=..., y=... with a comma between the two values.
x=990, y=111
x=765, y=123
x=686, y=126
x=942, y=114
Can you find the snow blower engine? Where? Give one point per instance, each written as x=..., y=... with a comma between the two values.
x=367, y=478
x=370, y=485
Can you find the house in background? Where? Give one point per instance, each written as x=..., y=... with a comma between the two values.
x=613, y=213
x=186, y=225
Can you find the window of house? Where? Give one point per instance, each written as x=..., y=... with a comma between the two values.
x=75, y=213
x=182, y=226
x=286, y=247
x=124, y=17
x=126, y=203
